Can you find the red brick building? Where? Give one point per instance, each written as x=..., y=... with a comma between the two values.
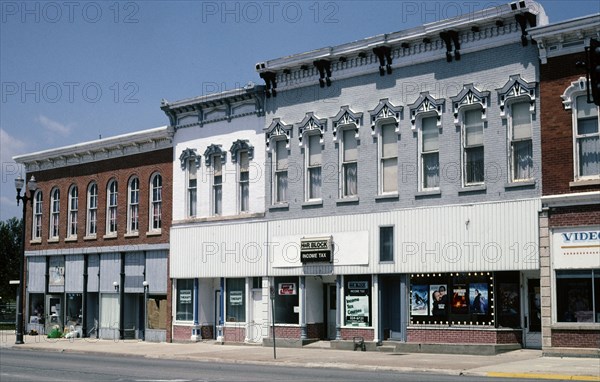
x=97, y=237
x=570, y=219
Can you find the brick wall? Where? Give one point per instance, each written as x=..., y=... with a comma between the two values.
x=181, y=333
x=575, y=216
x=121, y=169
x=316, y=330
x=349, y=333
x=234, y=333
x=557, y=130
x=576, y=338
x=289, y=332
x=474, y=336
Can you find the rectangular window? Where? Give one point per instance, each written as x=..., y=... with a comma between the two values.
x=156, y=203
x=185, y=295
x=281, y=172
x=37, y=216
x=314, y=167
x=244, y=177
x=217, y=185
x=134, y=206
x=349, y=164
x=73, y=207
x=54, y=213
x=587, y=139
x=112, y=208
x=286, y=299
x=92, y=210
x=430, y=153
x=386, y=243
x=191, y=187
x=577, y=296
x=357, y=293
x=388, y=171
x=109, y=308
x=473, y=147
x=235, y=306
x=520, y=143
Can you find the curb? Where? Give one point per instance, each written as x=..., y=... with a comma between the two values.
x=543, y=376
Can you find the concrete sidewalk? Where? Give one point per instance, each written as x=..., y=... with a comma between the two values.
x=518, y=364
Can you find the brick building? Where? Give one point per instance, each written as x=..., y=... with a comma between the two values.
x=570, y=219
x=97, y=238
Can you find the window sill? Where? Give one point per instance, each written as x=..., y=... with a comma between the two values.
x=154, y=233
x=90, y=237
x=349, y=199
x=517, y=184
x=585, y=182
x=53, y=240
x=387, y=262
x=110, y=236
x=393, y=196
x=426, y=193
x=132, y=234
x=71, y=239
x=468, y=189
x=234, y=324
x=35, y=241
x=575, y=326
x=312, y=203
x=279, y=206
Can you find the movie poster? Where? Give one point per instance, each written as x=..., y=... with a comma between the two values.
x=438, y=300
x=478, y=298
x=459, y=299
x=509, y=299
x=420, y=300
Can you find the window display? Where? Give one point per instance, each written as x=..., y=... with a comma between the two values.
x=286, y=300
x=358, y=300
x=235, y=309
x=185, y=291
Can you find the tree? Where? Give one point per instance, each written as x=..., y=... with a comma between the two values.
x=10, y=250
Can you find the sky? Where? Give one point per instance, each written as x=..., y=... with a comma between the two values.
x=74, y=71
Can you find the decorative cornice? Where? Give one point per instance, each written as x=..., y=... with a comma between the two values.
x=188, y=154
x=469, y=96
x=385, y=110
x=311, y=123
x=212, y=151
x=346, y=117
x=278, y=129
x=573, y=90
x=426, y=104
x=241, y=145
x=516, y=88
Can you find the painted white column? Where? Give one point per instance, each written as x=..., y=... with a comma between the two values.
x=248, y=300
x=302, y=307
x=340, y=306
x=375, y=307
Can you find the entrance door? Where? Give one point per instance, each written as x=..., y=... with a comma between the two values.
x=54, y=309
x=331, y=299
x=390, y=304
x=259, y=313
x=533, y=328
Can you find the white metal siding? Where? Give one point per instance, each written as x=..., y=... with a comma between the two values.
x=93, y=269
x=110, y=270
x=156, y=271
x=74, y=273
x=134, y=272
x=36, y=274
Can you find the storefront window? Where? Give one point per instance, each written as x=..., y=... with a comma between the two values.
x=287, y=306
x=74, y=312
x=185, y=291
x=508, y=299
x=357, y=291
x=236, y=300
x=575, y=296
x=157, y=312
x=452, y=299
x=36, y=308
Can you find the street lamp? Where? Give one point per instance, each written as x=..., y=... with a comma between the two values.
x=31, y=186
x=146, y=287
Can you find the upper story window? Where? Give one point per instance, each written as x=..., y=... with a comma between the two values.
x=111, y=207
x=92, y=210
x=349, y=163
x=586, y=139
x=36, y=228
x=388, y=159
x=314, y=162
x=521, y=147
x=244, y=181
x=54, y=212
x=281, y=172
x=386, y=243
x=73, y=207
x=133, y=205
x=472, y=145
x=156, y=202
x=192, y=187
x=217, y=185
x=430, y=153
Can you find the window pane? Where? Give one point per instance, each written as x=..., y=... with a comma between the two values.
x=314, y=175
x=350, y=147
x=281, y=185
x=390, y=175
x=386, y=243
x=587, y=126
x=597, y=293
x=430, y=134
x=244, y=192
x=192, y=170
x=589, y=156
x=474, y=162
x=522, y=160
x=244, y=161
x=109, y=309
x=431, y=170
x=389, y=141
x=217, y=165
x=574, y=297
x=236, y=300
x=286, y=298
x=282, y=155
x=185, y=293
x=350, y=179
x=584, y=109
x=314, y=150
x=473, y=128
x=521, y=120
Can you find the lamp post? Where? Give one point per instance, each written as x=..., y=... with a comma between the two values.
x=31, y=186
x=146, y=287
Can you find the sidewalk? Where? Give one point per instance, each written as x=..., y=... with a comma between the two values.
x=517, y=364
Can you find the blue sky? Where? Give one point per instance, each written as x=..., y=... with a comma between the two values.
x=71, y=71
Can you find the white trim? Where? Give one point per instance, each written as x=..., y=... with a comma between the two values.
x=573, y=199
x=305, y=143
x=72, y=188
x=380, y=159
x=419, y=128
x=132, y=232
x=573, y=95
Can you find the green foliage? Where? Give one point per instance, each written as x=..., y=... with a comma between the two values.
x=55, y=333
x=10, y=249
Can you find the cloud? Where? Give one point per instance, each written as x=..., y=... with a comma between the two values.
x=53, y=126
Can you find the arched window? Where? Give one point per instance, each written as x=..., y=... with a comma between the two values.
x=111, y=207
x=155, y=202
x=92, y=210
x=36, y=228
x=133, y=205
x=73, y=207
x=54, y=212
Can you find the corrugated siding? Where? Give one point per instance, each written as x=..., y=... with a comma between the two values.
x=228, y=250
x=93, y=269
x=110, y=269
x=53, y=263
x=74, y=273
x=36, y=274
x=156, y=271
x=134, y=272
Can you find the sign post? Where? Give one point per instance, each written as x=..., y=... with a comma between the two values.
x=273, y=318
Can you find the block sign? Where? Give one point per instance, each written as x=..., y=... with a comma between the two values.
x=287, y=289
x=236, y=297
x=317, y=250
x=185, y=296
